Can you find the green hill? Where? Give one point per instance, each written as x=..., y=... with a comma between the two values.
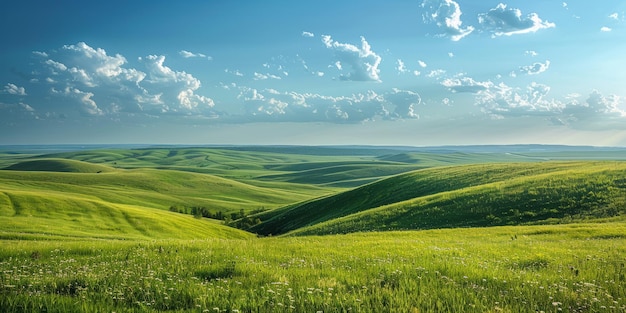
x=125, y=203
x=462, y=196
x=49, y=215
x=60, y=165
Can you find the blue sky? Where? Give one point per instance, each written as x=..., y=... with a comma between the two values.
x=400, y=72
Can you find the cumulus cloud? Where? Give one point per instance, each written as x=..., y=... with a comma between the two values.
x=401, y=67
x=308, y=34
x=501, y=100
x=605, y=29
x=535, y=68
x=436, y=73
x=614, y=16
x=272, y=105
x=13, y=89
x=105, y=84
x=503, y=21
x=466, y=84
x=87, y=104
x=177, y=87
x=595, y=107
x=596, y=111
x=404, y=101
x=446, y=14
x=363, y=62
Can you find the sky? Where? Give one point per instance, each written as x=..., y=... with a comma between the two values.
x=324, y=72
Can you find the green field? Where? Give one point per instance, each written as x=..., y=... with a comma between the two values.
x=313, y=229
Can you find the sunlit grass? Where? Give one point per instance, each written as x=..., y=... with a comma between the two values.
x=571, y=268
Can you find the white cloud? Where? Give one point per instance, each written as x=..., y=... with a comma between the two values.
x=502, y=101
x=422, y=63
x=272, y=105
x=97, y=60
x=259, y=76
x=401, y=67
x=104, y=84
x=186, y=54
x=502, y=21
x=605, y=29
x=308, y=34
x=531, y=53
x=417, y=73
x=88, y=105
x=446, y=14
x=362, y=60
x=177, y=87
x=40, y=54
x=13, y=89
x=235, y=72
x=56, y=65
x=450, y=54
x=596, y=110
x=466, y=84
x=535, y=68
x=614, y=16
x=91, y=67
x=436, y=73
x=404, y=101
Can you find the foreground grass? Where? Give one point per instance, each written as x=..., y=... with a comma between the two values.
x=571, y=268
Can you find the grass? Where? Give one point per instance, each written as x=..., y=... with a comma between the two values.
x=60, y=165
x=40, y=215
x=75, y=240
x=553, y=268
x=462, y=196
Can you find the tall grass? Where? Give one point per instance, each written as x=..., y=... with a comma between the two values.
x=571, y=268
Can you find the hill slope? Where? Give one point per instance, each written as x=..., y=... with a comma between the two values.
x=60, y=165
x=48, y=215
x=461, y=196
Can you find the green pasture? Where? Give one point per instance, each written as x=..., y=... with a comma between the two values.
x=325, y=229
x=551, y=268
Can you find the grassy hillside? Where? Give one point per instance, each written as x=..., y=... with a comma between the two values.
x=124, y=203
x=60, y=165
x=154, y=188
x=49, y=215
x=462, y=196
x=327, y=166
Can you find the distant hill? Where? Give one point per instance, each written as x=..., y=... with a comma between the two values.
x=60, y=165
x=462, y=196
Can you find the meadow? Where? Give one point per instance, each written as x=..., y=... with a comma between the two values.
x=571, y=268
x=340, y=230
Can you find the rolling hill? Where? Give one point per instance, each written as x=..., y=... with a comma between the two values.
x=305, y=190
x=60, y=165
x=462, y=196
x=69, y=198
x=47, y=215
